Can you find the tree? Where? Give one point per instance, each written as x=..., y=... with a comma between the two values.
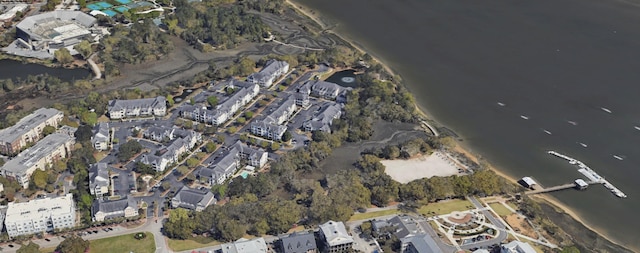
x=571, y=249
x=82, y=3
x=89, y=118
x=144, y=168
x=286, y=136
x=275, y=146
x=128, y=150
x=29, y=248
x=170, y=100
x=63, y=56
x=183, y=170
x=84, y=133
x=212, y=101
x=73, y=244
x=248, y=114
x=1, y=161
x=241, y=120
x=219, y=190
x=84, y=48
x=210, y=147
x=179, y=225
x=39, y=179
x=192, y=162
x=220, y=139
x=165, y=185
x=47, y=130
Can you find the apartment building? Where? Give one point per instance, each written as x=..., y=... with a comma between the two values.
x=101, y=138
x=272, y=70
x=119, y=109
x=171, y=154
x=244, y=93
x=224, y=168
x=40, y=215
x=28, y=130
x=99, y=180
x=192, y=199
x=324, y=118
x=270, y=126
x=105, y=210
x=335, y=238
x=51, y=148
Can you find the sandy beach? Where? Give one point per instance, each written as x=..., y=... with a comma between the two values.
x=459, y=147
x=405, y=171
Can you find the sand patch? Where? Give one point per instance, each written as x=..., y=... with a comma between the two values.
x=521, y=226
x=404, y=171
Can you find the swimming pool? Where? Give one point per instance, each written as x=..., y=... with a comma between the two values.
x=244, y=174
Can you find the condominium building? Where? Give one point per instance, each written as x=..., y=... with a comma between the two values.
x=224, y=168
x=40, y=215
x=335, y=238
x=101, y=138
x=270, y=126
x=244, y=93
x=272, y=70
x=99, y=180
x=105, y=210
x=119, y=109
x=28, y=130
x=171, y=154
x=51, y=148
x=193, y=199
x=324, y=118
x=256, y=245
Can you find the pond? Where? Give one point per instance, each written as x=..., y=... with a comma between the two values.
x=15, y=69
x=345, y=78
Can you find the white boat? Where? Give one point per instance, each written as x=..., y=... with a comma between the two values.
x=618, y=157
x=524, y=117
x=501, y=104
x=637, y=128
x=605, y=109
x=572, y=122
x=582, y=144
x=546, y=131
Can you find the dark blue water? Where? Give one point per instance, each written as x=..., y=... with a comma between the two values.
x=15, y=69
x=345, y=78
x=552, y=61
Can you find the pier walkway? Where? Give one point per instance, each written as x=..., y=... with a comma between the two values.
x=557, y=188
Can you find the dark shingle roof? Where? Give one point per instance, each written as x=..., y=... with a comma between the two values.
x=298, y=243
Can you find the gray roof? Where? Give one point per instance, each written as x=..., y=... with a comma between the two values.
x=247, y=151
x=269, y=70
x=406, y=226
x=256, y=245
x=298, y=243
x=31, y=24
x=335, y=233
x=245, y=89
x=27, y=123
x=111, y=206
x=157, y=102
x=324, y=118
x=98, y=175
x=422, y=243
x=321, y=88
x=101, y=133
x=159, y=131
x=192, y=198
x=41, y=149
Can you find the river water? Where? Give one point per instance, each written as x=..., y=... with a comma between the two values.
x=15, y=69
x=566, y=71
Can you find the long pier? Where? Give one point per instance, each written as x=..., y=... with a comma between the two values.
x=557, y=188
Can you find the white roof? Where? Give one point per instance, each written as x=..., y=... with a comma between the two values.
x=40, y=208
x=581, y=183
x=43, y=148
x=13, y=11
x=518, y=247
x=529, y=181
x=335, y=233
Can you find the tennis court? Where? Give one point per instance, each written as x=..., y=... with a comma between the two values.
x=104, y=5
x=110, y=13
x=121, y=9
x=94, y=7
x=123, y=1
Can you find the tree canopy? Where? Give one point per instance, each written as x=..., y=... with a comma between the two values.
x=128, y=150
x=73, y=244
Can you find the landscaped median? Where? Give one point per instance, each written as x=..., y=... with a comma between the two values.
x=124, y=243
x=195, y=243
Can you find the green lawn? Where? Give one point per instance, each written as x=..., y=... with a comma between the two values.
x=47, y=250
x=197, y=242
x=445, y=207
x=366, y=216
x=500, y=209
x=123, y=243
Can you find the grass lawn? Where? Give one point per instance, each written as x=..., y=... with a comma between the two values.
x=512, y=205
x=123, y=243
x=500, y=209
x=445, y=207
x=100, y=155
x=197, y=242
x=366, y=216
x=48, y=250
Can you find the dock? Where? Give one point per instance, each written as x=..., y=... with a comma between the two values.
x=573, y=185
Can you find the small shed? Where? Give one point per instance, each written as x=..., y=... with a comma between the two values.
x=581, y=184
x=528, y=182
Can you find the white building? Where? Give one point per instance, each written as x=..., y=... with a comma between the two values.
x=103, y=210
x=119, y=109
x=10, y=14
x=224, y=111
x=256, y=245
x=271, y=126
x=272, y=70
x=51, y=148
x=517, y=247
x=99, y=180
x=40, y=215
x=335, y=238
x=101, y=138
x=28, y=129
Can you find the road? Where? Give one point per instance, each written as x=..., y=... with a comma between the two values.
x=500, y=227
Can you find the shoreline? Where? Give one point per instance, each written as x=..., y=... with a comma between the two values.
x=459, y=146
